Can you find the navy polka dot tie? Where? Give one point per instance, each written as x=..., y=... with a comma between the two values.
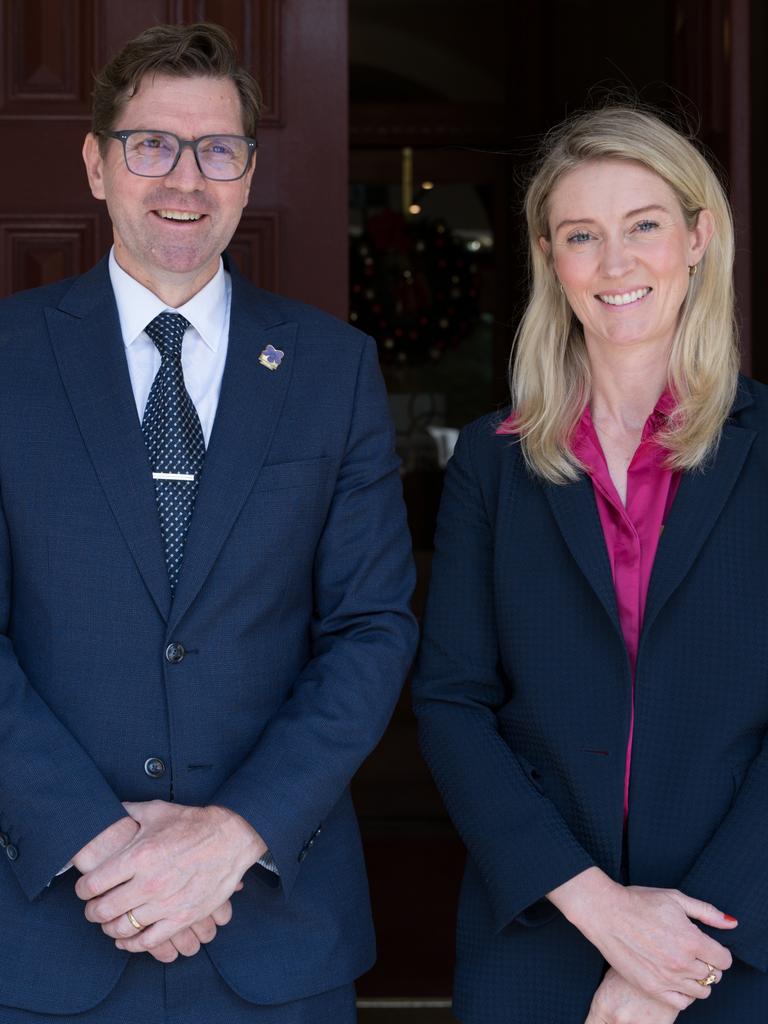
x=174, y=440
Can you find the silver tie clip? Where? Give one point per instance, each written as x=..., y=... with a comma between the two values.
x=173, y=476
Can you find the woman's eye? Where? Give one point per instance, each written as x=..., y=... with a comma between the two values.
x=646, y=225
x=579, y=237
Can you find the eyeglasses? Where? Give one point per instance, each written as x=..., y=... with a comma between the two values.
x=152, y=154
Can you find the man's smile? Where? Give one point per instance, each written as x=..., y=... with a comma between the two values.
x=178, y=215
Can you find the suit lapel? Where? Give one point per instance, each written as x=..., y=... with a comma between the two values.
x=575, y=510
x=698, y=503
x=695, y=510
x=249, y=407
x=86, y=340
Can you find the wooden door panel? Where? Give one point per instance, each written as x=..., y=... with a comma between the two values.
x=255, y=248
x=38, y=249
x=48, y=52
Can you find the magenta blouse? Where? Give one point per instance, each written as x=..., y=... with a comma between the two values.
x=631, y=531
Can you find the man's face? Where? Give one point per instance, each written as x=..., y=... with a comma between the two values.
x=173, y=258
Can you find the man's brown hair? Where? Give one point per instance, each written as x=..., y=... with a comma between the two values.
x=183, y=51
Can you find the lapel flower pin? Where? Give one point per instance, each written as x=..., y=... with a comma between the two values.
x=271, y=357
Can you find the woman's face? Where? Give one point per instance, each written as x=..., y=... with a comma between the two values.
x=621, y=250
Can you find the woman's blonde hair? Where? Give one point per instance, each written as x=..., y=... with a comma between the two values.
x=550, y=372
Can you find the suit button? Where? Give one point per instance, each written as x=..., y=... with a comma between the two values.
x=174, y=653
x=4, y=840
x=154, y=767
x=11, y=852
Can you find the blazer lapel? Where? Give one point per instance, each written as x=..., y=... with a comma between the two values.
x=575, y=511
x=695, y=510
x=249, y=407
x=86, y=340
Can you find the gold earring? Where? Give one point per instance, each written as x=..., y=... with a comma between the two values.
x=692, y=270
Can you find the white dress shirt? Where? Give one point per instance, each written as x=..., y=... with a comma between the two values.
x=203, y=353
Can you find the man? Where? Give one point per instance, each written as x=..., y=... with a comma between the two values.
x=204, y=577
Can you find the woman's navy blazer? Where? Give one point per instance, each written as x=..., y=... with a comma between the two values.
x=524, y=691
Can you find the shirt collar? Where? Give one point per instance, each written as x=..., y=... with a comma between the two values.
x=137, y=305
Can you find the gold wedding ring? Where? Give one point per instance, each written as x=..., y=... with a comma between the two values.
x=711, y=978
x=140, y=927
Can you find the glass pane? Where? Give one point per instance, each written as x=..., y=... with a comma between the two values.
x=419, y=286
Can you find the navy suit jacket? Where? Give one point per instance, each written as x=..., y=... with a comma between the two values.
x=292, y=608
x=524, y=693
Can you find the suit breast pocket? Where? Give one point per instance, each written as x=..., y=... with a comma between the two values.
x=306, y=473
x=288, y=506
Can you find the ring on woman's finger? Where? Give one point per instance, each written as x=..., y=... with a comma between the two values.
x=711, y=978
x=134, y=922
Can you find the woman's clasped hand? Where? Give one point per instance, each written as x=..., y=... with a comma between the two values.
x=659, y=957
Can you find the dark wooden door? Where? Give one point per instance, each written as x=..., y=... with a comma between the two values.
x=293, y=234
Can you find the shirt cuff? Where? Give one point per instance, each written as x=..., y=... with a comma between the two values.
x=267, y=861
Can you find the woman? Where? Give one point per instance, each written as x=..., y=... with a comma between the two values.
x=592, y=688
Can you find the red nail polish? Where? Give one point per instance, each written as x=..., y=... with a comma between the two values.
x=729, y=917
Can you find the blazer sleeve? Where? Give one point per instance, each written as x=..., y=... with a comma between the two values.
x=731, y=871
x=53, y=798
x=363, y=641
x=516, y=837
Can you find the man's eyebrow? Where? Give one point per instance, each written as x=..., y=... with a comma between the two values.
x=627, y=215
